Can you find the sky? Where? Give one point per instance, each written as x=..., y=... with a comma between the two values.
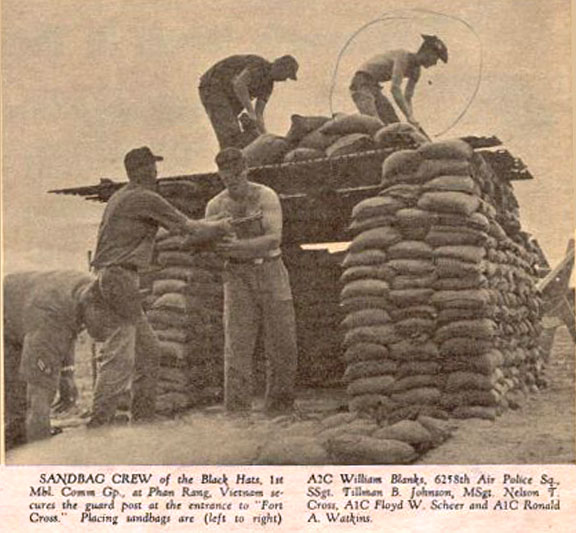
x=84, y=81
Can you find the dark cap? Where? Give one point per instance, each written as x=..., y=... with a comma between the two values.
x=230, y=158
x=433, y=43
x=140, y=157
x=289, y=63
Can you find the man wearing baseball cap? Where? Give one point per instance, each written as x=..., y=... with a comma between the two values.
x=229, y=87
x=394, y=66
x=124, y=247
x=257, y=294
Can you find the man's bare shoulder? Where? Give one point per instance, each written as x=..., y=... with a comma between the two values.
x=216, y=203
x=266, y=193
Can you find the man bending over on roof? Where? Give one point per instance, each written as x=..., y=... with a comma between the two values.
x=394, y=66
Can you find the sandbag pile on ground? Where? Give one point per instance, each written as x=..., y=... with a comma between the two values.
x=440, y=300
x=320, y=137
x=186, y=314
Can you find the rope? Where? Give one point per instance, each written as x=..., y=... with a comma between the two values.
x=391, y=16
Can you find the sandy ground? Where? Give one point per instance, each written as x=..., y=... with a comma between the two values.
x=541, y=432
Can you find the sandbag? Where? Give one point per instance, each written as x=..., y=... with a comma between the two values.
x=349, y=124
x=482, y=328
x=377, y=238
x=364, y=258
x=164, y=318
x=431, y=168
x=413, y=281
x=414, y=217
x=365, y=287
x=350, y=144
x=451, y=236
x=303, y=154
x=376, y=206
x=412, y=368
x=414, y=411
x=358, y=226
x=372, y=385
x=174, y=272
x=365, y=351
x=318, y=141
x=292, y=450
x=366, y=272
x=449, y=202
x=267, y=149
x=368, y=369
x=408, y=349
x=393, y=133
x=468, y=299
x=485, y=363
x=421, y=395
x=300, y=126
x=366, y=317
x=403, y=162
x=451, y=400
x=416, y=381
x=367, y=403
x=410, y=250
x=349, y=305
x=451, y=315
x=447, y=267
x=468, y=380
x=410, y=297
x=406, y=192
x=447, y=150
x=451, y=184
x=172, y=301
x=163, y=286
x=470, y=254
x=475, y=221
x=361, y=450
x=412, y=267
x=465, y=346
x=415, y=326
x=408, y=431
x=416, y=311
x=372, y=334
x=475, y=411
x=173, y=349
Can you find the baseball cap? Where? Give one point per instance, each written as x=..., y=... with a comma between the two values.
x=290, y=64
x=230, y=158
x=139, y=157
x=436, y=44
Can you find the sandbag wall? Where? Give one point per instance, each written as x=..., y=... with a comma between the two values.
x=185, y=311
x=442, y=316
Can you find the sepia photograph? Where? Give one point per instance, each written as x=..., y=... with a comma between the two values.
x=287, y=233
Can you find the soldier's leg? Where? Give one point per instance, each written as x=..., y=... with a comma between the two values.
x=147, y=365
x=223, y=119
x=385, y=110
x=241, y=321
x=279, y=322
x=114, y=373
x=38, y=416
x=14, y=397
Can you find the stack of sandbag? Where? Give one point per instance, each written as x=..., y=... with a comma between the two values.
x=320, y=137
x=437, y=295
x=186, y=314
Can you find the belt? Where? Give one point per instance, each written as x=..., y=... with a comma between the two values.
x=252, y=260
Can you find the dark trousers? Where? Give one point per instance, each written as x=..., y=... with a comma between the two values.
x=369, y=99
x=223, y=117
x=14, y=397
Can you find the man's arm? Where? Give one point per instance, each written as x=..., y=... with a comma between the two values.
x=240, y=85
x=170, y=218
x=399, y=71
x=260, y=106
x=409, y=91
x=272, y=231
